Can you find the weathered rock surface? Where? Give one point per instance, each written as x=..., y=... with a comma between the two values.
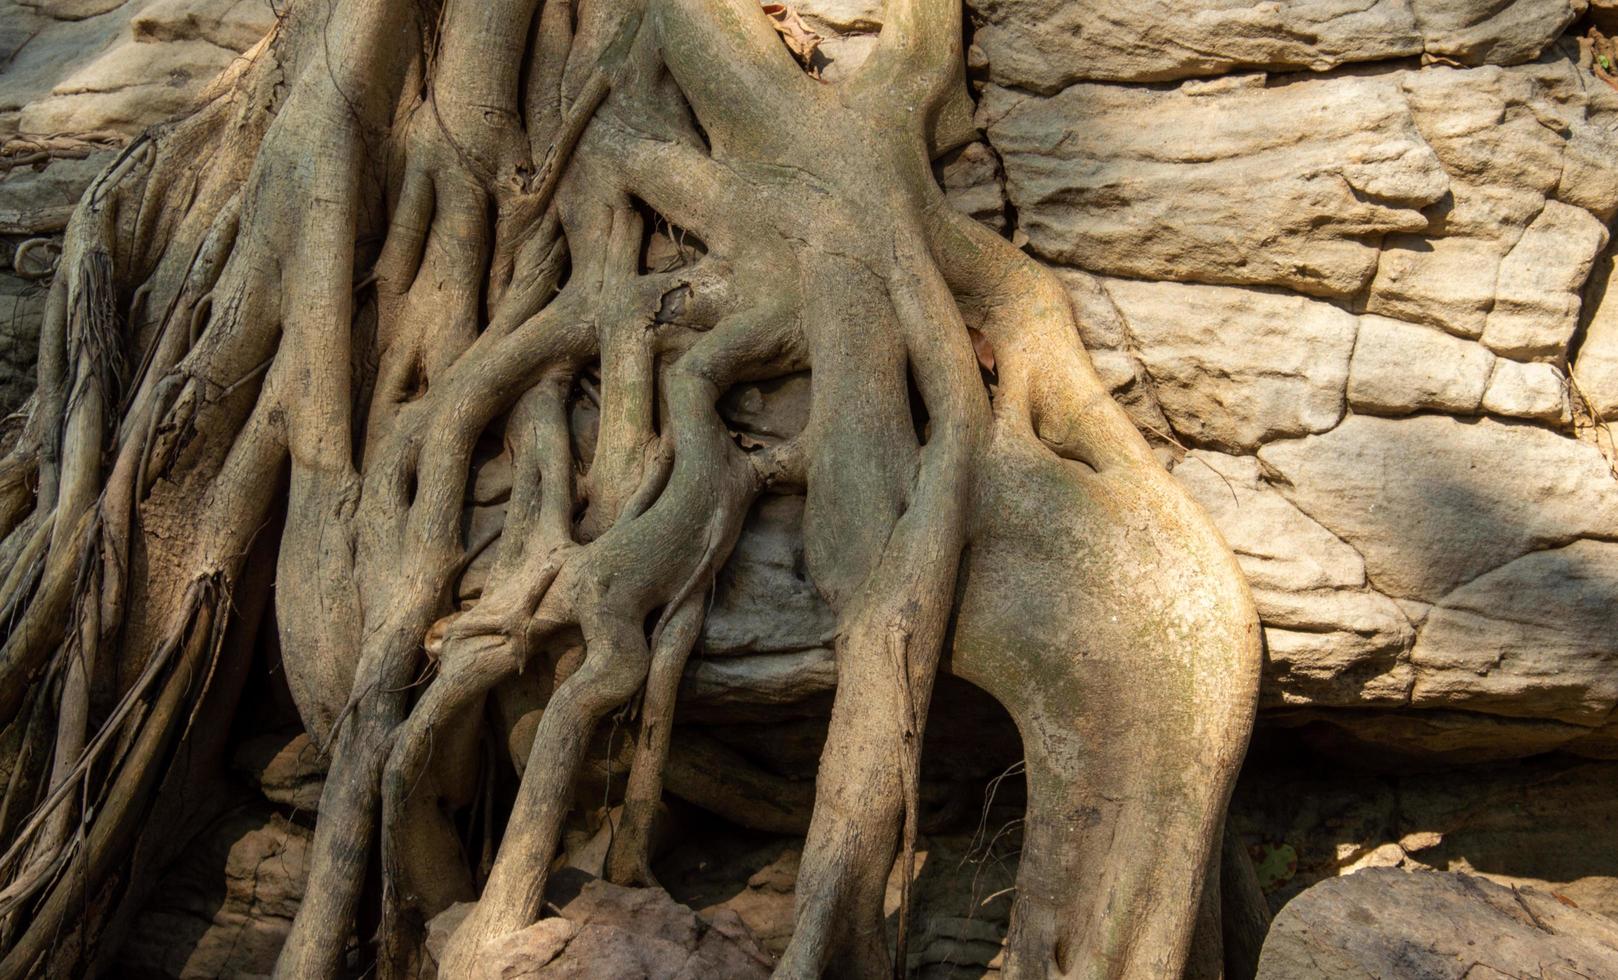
x=1433, y=502
x=1461, y=566
x=1112, y=179
x=88, y=75
x=1044, y=45
x=1404, y=367
x=22, y=309
x=1536, y=637
x=961, y=893
x=1235, y=368
x=607, y=932
x=225, y=908
x=1382, y=922
x=763, y=601
x=1437, y=195
x=1532, y=391
x=288, y=768
x=1538, y=822
x=1596, y=369
x=118, y=65
x=1330, y=638
x=1531, y=183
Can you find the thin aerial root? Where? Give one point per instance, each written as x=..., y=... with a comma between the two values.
x=109, y=729
x=199, y=316
x=629, y=858
x=910, y=784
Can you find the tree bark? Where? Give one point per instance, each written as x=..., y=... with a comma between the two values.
x=397, y=231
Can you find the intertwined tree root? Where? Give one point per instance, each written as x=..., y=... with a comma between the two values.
x=286, y=323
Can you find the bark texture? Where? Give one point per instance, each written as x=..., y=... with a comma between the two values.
x=401, y=238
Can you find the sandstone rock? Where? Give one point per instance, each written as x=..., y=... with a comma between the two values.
x=1433, y=736
x=288, y=769
x=1329, y=639
x=960, y=915
x=18, y=25
x=1383, y=922
x=1401, y=367
x=525, y=953
x=763, y=601
x=1536, y=637
x=841, y=54
x=1445, y=282
x=1112, y=352
x=1537, y=290
x=1510, y=246
x=130, y=86
x=842, y=15
x=1280, y=548
x=223, y=912
x=1233, y=368
x=1596, y=367
x=1531, y=824
x=607, y=932
x=970, y=177
x=1358, y=665
x=233, y=24
x=72, y=9
x=40, y=202
x=22, y=310
x=1044, y=45
x=1476, y=33
x=121, y=66
x=1288, y=186
x=1431, y=502
x=1538, y=822
x=757, y=679
x=1528, y=391
x=52, y=50
x=778, y=408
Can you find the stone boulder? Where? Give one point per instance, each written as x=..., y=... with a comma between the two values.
x=607, y=932
x=116, y=66
x=224, y=909
x=1382, y=922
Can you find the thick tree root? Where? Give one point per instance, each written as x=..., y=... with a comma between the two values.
x=433, y=235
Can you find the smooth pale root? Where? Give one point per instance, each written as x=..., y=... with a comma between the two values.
x=389, y=238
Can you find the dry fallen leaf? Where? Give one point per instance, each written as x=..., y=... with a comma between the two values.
x=799, y=38
x=982, y=347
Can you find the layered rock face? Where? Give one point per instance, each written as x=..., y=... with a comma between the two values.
x=1347, y=264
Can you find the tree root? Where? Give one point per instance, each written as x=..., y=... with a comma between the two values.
x=430, y=237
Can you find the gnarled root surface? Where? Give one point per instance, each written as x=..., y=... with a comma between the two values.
x=400, y=237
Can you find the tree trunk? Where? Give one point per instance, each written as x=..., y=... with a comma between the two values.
x=396, y=234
